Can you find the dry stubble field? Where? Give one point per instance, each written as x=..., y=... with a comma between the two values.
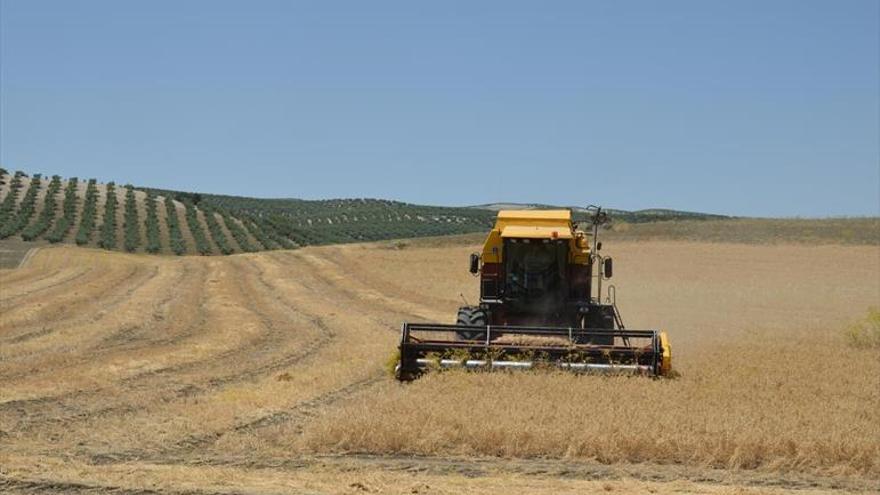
x=265, y=373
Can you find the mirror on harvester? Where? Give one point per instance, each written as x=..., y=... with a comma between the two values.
x=608, y=269
x=475, y=263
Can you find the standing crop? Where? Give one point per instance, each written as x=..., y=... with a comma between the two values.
x=44, y=220
x=132, y=229
x=152, y=225
x=19, y=220
x=68, y=208
x=175, y=236
x=192, y=219
x=108, y=229
x=90, y=210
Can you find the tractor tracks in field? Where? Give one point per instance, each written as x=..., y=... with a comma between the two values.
x=299, y=413
x=124, y=336
x=181, y=453
x=408, y=469
x=308, y=409
x=38, y=486
x=27, y=257
x=22, y=406
x=296, y=413
x=136, y=384
x=389, y=289
x=271, y=340
x=34, y=411
x=355, y=289
x=15, y=273
x=307, y=350
x=74, y=406
x=127, y=335
x=59, y=308
x=46, y=409
x=7, y=300
x=276, y=348
x=276, y=334
x=481, y=467
x=302, y=411
x=107, y=309
x=106, y=299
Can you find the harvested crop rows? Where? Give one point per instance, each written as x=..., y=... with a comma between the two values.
x=265, y=372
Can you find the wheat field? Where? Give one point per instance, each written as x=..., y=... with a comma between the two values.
x=265, y=373
x=768, y=380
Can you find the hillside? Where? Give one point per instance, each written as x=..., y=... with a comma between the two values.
x=634, y=216
x=87, y=213
x=333, y=221
x=56, y=210
x=34, y=208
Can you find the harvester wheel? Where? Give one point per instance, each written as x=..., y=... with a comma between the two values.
x=474, y=316
x=600, y=316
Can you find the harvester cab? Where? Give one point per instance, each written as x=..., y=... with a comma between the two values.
x=540, y=306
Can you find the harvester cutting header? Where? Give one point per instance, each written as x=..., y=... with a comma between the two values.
x=540, y=306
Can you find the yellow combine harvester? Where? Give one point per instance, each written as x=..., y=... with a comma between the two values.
x=540, y=305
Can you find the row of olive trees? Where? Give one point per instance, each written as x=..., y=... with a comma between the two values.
x=7, y=207
x=130, y=224
x=175, y=236
x=258, y=233
x=89, y=214
x=203, y=247
x=211, y=234
x=238, y=232
x=16, y=222
x=154, y=245
x=216, y=231
x=47, y=215
x=108, y=228
x=266, y=233
x=15, y=217
x=68, y=212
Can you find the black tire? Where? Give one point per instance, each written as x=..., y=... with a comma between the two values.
x=599, y=317
x=474, y=316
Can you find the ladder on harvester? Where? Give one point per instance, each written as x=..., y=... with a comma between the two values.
x=618, y=320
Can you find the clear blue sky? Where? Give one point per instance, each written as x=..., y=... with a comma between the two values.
x=766, y=108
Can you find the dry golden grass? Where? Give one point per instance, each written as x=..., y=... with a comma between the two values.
x=813, y=231
x=760, y=409
x=335, y=476
x=131, y=371
x=767, y=381
x=853, y=231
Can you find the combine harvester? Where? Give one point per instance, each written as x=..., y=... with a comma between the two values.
x=540, y=306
